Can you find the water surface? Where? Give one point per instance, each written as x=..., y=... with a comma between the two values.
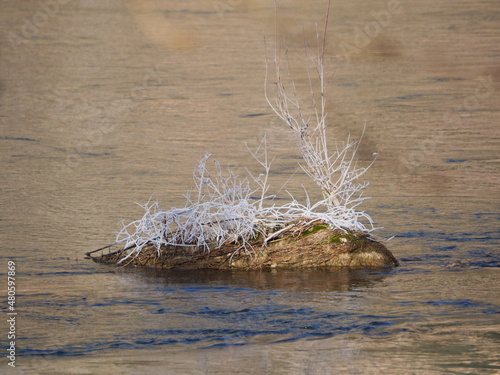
x=107, y=103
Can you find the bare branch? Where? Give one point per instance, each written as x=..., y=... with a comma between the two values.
x=220, y=209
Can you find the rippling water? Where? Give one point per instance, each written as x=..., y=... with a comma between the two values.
x=106, y=103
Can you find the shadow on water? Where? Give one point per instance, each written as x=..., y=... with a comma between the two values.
x=299, y=280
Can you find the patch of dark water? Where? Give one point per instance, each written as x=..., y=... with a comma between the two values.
x=19, y=139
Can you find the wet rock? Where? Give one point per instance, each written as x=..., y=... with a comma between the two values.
x=300, y=246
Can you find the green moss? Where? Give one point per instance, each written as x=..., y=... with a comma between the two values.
x=337, y=237
x=334, y=239
x=314, y=229
x=344, y=237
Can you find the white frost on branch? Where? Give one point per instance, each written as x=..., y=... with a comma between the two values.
x=223, y=209
x=334, y=171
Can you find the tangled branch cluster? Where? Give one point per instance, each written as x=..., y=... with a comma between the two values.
x=223, y=208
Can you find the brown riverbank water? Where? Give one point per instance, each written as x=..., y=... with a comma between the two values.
x=106, y=103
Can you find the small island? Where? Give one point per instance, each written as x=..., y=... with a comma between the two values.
x=300, y=245
x=232, y=222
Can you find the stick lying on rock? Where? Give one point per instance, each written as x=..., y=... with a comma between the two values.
x=224, y=226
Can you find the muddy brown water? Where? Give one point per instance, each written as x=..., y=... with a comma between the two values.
x=106, y=103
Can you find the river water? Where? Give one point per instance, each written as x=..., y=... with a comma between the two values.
x=107, y=103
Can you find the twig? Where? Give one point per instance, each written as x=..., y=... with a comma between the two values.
x=277, y=233
x=108, y=246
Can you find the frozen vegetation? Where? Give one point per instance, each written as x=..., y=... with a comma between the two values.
x=223, y=208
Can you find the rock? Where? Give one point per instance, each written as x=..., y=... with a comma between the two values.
x=300, y=246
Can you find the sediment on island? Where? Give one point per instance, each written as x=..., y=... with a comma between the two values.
x=298, y=246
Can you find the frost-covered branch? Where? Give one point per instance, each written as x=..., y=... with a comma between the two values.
x=262, y=180
x=222, y=208
x=334, y=170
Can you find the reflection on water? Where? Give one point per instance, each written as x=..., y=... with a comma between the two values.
x=261, y=317
x=206, y=309
x=289, y=280
x=106, y=103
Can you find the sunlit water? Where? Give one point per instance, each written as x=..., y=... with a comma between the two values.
x=107, y=103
